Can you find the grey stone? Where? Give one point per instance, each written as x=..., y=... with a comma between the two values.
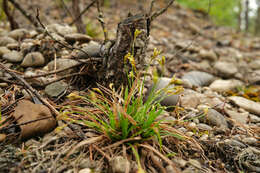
x=241, y=117
x=33, y=59
x=82, y=38
x=61, y=63
x=255, y=64
x=6, y=40
x=13, y=56
x=250, y=106
x=208, y=54
x=225, y=69
x=119, y=164
x=18, y=34
x=4, y=50
x=203, y=126
x=55, y=89
x=190, y=98
x=215, y=118
x=198, y=78
x=225, y=85
x=60, y=29
x=167, y=99
x=92, y=49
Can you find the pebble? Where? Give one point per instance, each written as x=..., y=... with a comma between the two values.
x=92, y=49
x=33, y=59
x=250, y=140
x=225, y=69
x=203, y=126
x=119, y=164
x=13, y=56
x=250, y=106
x=215, y=118
x=82, y=38
x=168, y=100
x=18, y=34
x=61, y=64
x=208, y=54
x=6, y=40
x=225, y=85
x=4, y=50
x=255, y=64
x=198, y=78
x=55, y=89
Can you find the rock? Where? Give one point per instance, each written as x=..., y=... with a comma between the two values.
x=250, y=140
x=85, y=170
x=82, y=38
x=225, y=85
x=13, y=46
x=202, y=126
x=215, y=118
x=255, y=64
x=254, y=77
x=168, y=100
x=250, y=106
x=204, y=137
x=27, y=111
x=6, y=40
x=92, y=49
x=190, y=98
x=33, y=59
x=55, y=89
x=60, y=29
x=198, y=78
x=208, y=54
x=254, y=118
x=225, y=69
x=119, y=164
x=4, y=50
x=238, y=116
x=18, y=34
x=61, y=63
x=13, y=56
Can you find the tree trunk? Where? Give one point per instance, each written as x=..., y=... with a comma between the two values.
x=247, y=15
x=76, y=12
x=239, y=16
x=115, y=70
x=257, y=20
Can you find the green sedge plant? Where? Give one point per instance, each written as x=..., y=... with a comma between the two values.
x=124, y=114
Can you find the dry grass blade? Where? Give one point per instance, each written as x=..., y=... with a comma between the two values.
x=121, y=142
x=85, y=142
x=160, y=155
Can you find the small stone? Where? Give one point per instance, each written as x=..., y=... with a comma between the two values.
x=255, y=64
x=168, y=100
x=198, y=78
x=13, y=56
x=250, y=140
x=225, y=85
x=4, y=50
x=215, y=118
x=191, y=125
x=92, y=49
x=203, y=126
x=190, y=98
x=2, y=85
x=208, y=54
x=190, y=134
x=13, y=46
x=82, y=38
x=119, y=164
x=6, y=40
x=85, y=170
x=250, y=106
x=240, y=117
x=61, y=64
x=55, y=89
x=33, y=59
x=60, y=29
x=225, y=69
x=195, y=163
x=204, y=137
x=18, y=34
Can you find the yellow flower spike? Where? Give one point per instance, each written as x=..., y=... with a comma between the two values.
x=98, y=90
x=155, y=76
x=155, y=53
x=163, y=61
x=132, y=62
x=175, y=81
x=126, y=57
x=206, y=110
x=131, y=74
x=137, y=32
x=73, y=96
x=93, y=96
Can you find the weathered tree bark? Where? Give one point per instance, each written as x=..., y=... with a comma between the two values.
x=13, y=23
x=76, y=12
x=247, y=15
x=257, y=20
x=115, y=70
x=239, y=19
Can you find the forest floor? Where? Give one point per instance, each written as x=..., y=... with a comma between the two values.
x=216, y=120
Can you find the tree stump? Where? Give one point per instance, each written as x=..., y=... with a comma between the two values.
x=115, y=70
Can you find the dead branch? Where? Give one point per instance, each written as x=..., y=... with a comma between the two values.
x=13, y=23
x=160, y=12
x=28, y=86
x=76, y=11
x=26, y=15
x=101, y=21
x=84, y=11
